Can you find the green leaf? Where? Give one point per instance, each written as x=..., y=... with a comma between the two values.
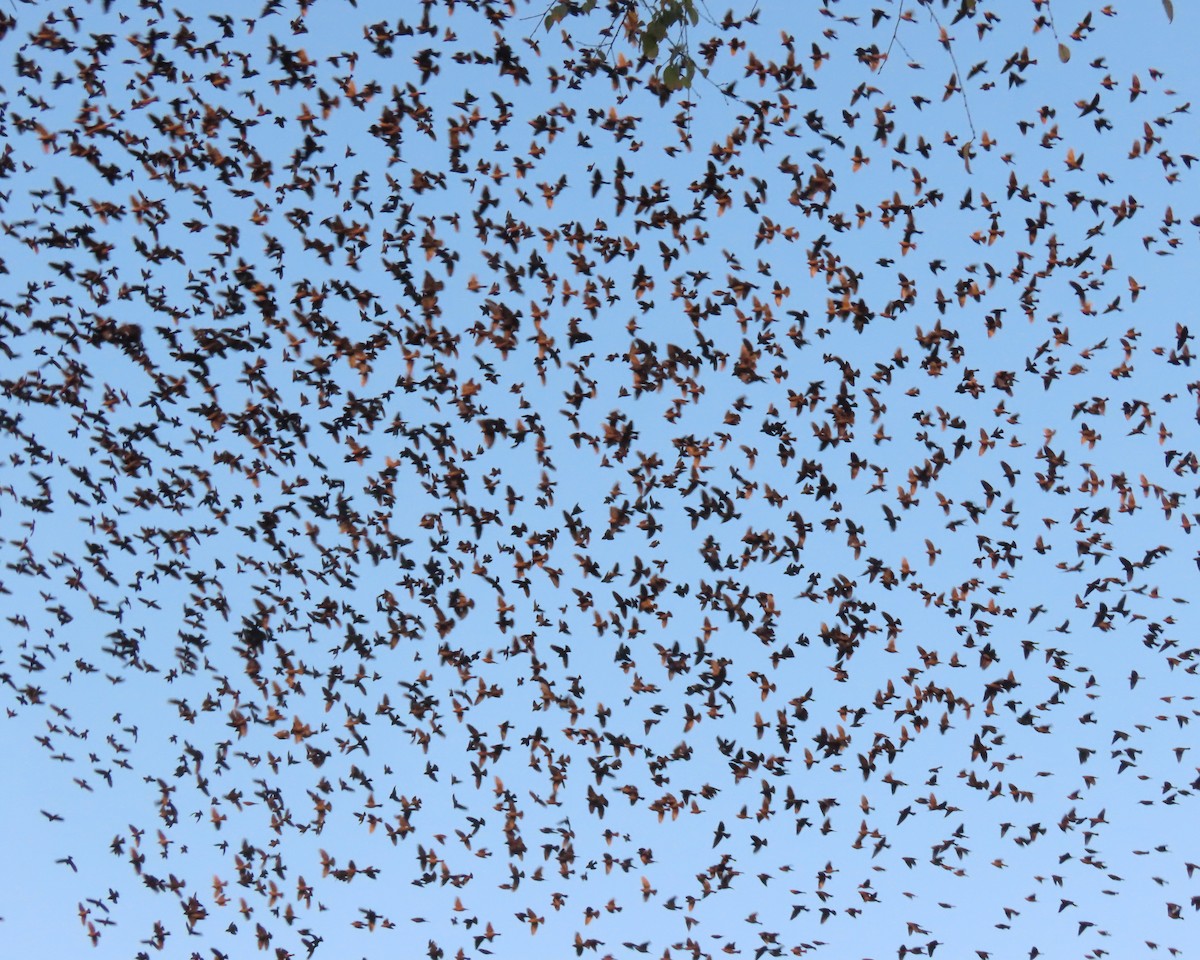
x=657, y=28
x=669, y=15
x=1064, y=54
x=557, y=14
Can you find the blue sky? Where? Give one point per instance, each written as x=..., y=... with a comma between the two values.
x=266, y=404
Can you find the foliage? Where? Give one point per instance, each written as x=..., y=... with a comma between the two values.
x=652, y=25
x=652, y=28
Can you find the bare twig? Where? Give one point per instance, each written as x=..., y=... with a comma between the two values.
x=958, y=75
x=895, y=30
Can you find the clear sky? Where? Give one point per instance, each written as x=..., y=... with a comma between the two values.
x=462, y=496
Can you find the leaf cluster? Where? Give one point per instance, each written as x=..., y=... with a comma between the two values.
x=665, y=26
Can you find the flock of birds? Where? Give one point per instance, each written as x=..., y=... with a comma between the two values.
x=462, y=495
